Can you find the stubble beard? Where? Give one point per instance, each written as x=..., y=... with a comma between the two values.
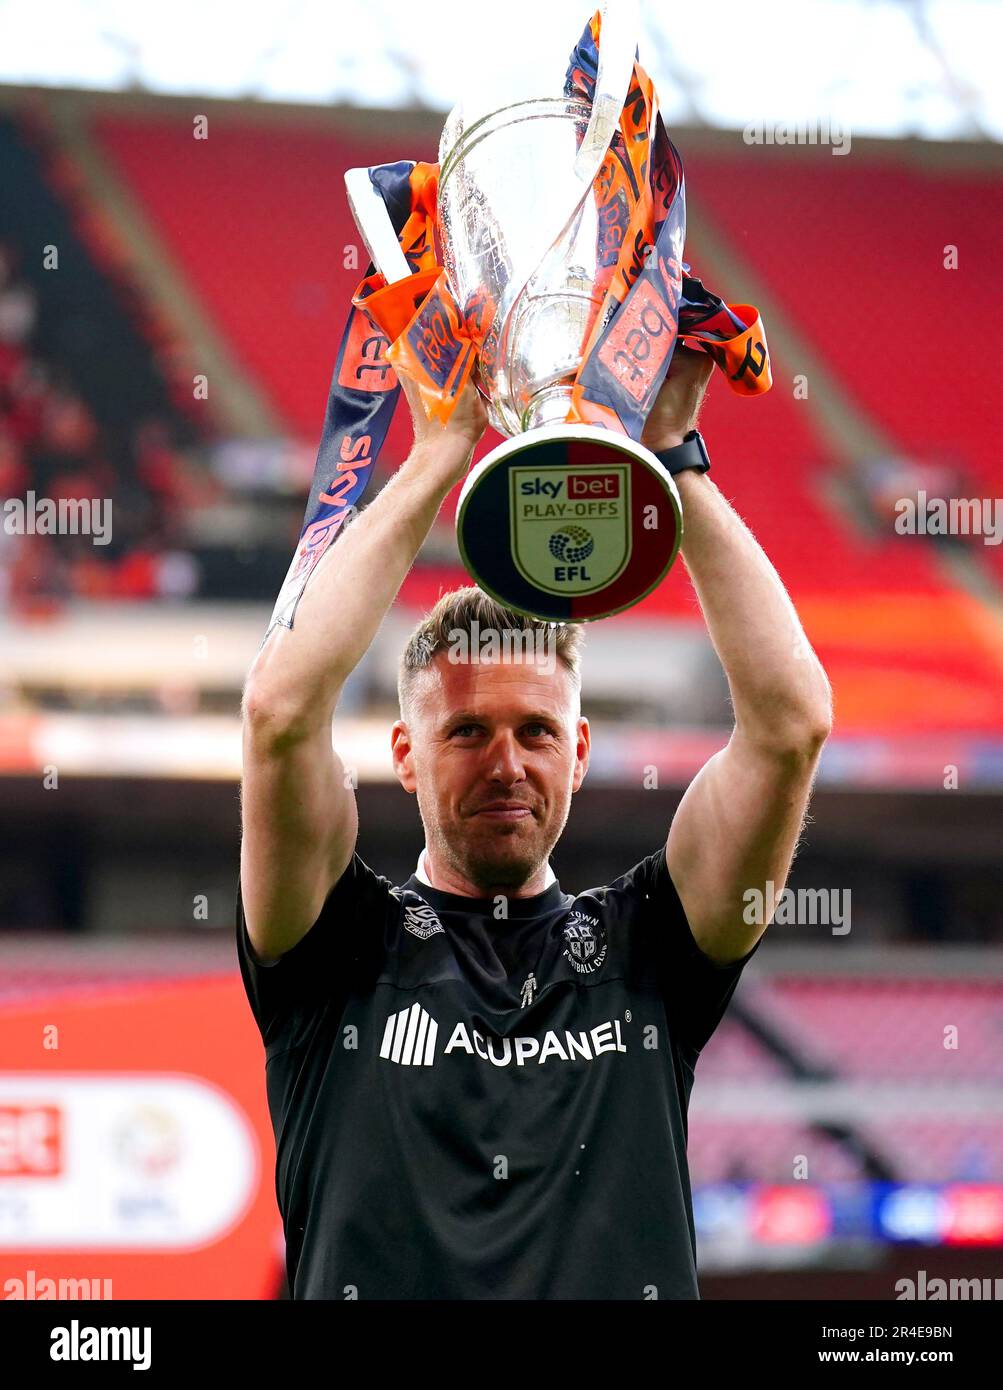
x=494, y=857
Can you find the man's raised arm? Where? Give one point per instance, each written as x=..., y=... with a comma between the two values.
x=738, y=824
x=299, y=816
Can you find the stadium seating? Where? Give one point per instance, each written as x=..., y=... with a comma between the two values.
x=255, y=220
x=880, y=611
x=810, y=228
x=873, y=1049
x=895, y=1029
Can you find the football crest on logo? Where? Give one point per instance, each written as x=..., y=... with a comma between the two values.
x=585, y=948
x=422, y=922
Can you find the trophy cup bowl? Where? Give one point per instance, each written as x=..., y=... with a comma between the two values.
x=563, y=521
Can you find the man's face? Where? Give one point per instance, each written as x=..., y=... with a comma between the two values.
x=494, y=751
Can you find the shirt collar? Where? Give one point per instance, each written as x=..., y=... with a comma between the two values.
x=422, y=876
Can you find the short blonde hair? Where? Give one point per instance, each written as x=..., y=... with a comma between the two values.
x=470, y=610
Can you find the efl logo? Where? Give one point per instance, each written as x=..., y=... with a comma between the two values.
x=31, y=1141
x=593, y=485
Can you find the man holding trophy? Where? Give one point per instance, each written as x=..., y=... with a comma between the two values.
x=479, y=1082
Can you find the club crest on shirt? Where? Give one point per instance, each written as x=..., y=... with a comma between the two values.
x=422, y=922
x=585, y=948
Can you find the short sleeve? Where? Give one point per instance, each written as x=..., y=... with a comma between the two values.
x=696, y=988
x=344, y=944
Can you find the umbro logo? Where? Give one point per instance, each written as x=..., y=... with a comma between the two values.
x=409, y=1037
x=422, y=922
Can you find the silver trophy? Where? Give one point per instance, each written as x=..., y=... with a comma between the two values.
x=546, y=521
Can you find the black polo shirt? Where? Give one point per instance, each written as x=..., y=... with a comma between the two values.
x=486, y=1098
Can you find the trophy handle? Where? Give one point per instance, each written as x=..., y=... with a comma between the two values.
x=617, y=47
x=375, y=226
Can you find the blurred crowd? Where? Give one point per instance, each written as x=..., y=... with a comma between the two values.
x=890, y=481
x=52, y=445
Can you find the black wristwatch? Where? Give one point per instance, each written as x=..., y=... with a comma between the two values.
x=691, y=453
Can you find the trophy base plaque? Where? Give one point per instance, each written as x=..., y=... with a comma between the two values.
x=569, y=523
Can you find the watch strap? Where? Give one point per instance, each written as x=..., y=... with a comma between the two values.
x=691, y=453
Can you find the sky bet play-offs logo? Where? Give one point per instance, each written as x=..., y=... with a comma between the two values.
x=410, y=1035
x=570, y=526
